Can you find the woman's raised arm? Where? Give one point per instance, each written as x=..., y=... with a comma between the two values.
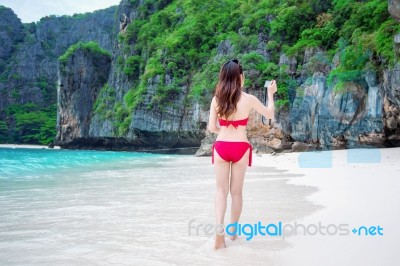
x=267, y=111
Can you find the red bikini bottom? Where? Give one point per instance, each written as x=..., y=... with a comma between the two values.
x=231, y=151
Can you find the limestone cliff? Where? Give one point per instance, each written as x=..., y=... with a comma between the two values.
x=30, y=52
x=341, y=118
x=176, y=127
x=11, y=32
x=322, y=114
x=365, y=113
x=394, y=9
x=152, y=91
x=83, y=74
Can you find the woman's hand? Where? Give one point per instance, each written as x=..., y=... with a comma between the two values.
x=272, y=88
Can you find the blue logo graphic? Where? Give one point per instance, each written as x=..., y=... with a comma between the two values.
x=371, y=155
x=280, y=229
x=315, y=159
x=251, y=230
x=368, y=231
x=323, y=159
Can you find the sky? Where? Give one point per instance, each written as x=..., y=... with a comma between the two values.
x=33, y=10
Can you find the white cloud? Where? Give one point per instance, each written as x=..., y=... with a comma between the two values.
x=33, y=10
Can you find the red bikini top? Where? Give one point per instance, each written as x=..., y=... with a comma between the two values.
x=234, y=123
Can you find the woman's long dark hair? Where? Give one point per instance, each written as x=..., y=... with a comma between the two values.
x=228, y=89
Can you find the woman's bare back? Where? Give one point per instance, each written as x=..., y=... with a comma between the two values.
x=246, y=103
x=243, y=109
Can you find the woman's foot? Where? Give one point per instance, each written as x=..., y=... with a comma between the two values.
x=233, y=237
x=220, y=241
x=232, y=233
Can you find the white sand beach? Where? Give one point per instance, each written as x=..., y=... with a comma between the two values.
x=119, y=213
x=359, y=194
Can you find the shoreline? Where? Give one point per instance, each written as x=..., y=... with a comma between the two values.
x=28, y=146
x=180, y=192
x=182, y=150
x=171, y=151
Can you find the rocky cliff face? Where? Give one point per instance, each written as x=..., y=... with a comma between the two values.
x=394, y=9
x=82, y=76
x=356, y=114
x=10, y=35
x=363, y=113
x=322, y=115
x=31, y=52
x=176, y=127
x=105, y=103
x=350, y=117
x=11, y=32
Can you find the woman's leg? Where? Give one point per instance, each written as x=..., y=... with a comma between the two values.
x=222, y=169
x=236, y=186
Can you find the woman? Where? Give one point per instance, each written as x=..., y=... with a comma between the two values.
x=232, y=150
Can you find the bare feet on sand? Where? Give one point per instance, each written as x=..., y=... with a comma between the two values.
x=219, y=241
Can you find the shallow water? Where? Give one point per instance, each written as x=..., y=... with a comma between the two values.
x=100, y=208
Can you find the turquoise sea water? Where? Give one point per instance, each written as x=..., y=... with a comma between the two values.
x=79, y=207
x=23, y=163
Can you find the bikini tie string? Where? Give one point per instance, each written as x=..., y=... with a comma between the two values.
x=232, y=123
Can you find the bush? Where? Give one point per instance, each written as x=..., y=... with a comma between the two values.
x=33, y=124
x=134, y=97
x=132, y=65
x=104, y=101
x=91, y=46
x=4, y=136
x=384, y=40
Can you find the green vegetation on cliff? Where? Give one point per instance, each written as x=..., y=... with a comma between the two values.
x=176, y=47
x=180, y=39
x=91, y=46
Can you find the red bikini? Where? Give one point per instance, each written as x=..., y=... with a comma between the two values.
x=234, y=123
x=232, y=151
